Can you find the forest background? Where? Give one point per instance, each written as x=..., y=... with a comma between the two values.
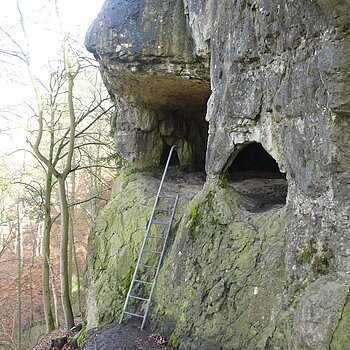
x=56, y=164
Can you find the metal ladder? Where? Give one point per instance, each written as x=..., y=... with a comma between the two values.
x=156, y=235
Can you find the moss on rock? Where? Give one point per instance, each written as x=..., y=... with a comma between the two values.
x=341, y=336
x=115, y=242
x=215, y=289
x=113, y=248
x=174, y=340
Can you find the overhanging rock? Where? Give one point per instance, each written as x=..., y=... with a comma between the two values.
x=271, y=72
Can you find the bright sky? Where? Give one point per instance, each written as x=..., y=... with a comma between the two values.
x=74, y=12
x=44, y=36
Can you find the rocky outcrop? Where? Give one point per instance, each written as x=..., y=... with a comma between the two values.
x=272, y=72
x=160, y=86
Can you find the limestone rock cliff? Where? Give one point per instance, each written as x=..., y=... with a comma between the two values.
x=220, y=78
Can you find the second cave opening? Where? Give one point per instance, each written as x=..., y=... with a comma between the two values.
x=255, y=174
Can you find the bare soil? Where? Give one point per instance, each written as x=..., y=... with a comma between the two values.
x=45, y=342
x=126, y=336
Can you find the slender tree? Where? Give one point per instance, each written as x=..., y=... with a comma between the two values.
x=61, y=162
x=64, y=124
x=19, y=275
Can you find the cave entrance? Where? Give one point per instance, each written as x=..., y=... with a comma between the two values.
x=255, y=174
x=189, y=134
x=253, y=161
x=174, y=160
x=181, y=116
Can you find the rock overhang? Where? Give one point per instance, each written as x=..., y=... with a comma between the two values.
x=279, y=76
x=274, y=76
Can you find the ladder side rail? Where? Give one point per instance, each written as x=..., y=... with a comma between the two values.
x=138, y=262
x=133, y=279
x=165, y=169
x=157, y=197
x=147, y=232
x=160, y=260
x=160, y=188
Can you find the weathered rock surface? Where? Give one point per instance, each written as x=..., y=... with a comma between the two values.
x=149, y=65
x=116, y=239
x=277, y=73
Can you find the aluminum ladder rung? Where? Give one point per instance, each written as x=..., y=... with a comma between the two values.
x=156, y=222
x=151, y=251
x=132, y=314
x=155, y=237
x=145, y=282
x=148, y=266
x=156, y=208
x=163, y=209
x=138, y=298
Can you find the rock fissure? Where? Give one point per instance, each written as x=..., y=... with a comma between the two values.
x=344, y=316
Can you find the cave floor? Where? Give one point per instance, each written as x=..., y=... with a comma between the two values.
x=187, y=185
x=259, y=194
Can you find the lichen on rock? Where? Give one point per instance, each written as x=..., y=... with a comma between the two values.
x=219, y=275
x=213, y=78
x=112, y=250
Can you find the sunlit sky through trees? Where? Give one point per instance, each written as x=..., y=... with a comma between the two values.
x=44, y=42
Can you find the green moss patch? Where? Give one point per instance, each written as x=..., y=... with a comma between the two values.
x=319, y=260
x=174, y=340
x=341, y=336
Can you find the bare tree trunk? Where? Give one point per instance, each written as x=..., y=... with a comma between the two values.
x=48, y=186
x=78, y=276
x=31, y=317
x=31, y=311
x=21, y=228
x=2, y=238
x=39, y=239
x=66, y=302
x=70, y=255
x=54, y=295
x=71, y=230
x=72, y=251
x=19, y=276
x=50, y=324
